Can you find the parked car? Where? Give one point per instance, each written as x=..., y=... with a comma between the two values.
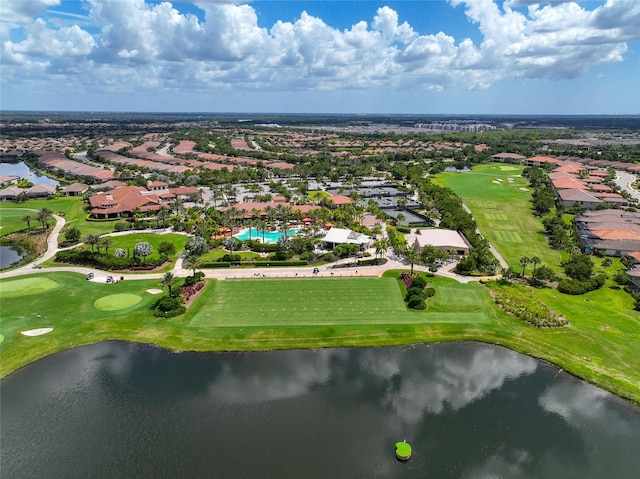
x=109, y=279
x=89, y=276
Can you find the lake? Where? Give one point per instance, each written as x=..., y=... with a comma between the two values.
x=469, y=410
x=9, y=255
x=22, y=170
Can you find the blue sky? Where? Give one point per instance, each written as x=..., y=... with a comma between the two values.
x=364, y=56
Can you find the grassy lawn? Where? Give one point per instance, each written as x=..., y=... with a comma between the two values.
x=499, y=199
x=317, y=195
x=70, y=207
x=220, y=252
x=601, y=346
x=129, y=241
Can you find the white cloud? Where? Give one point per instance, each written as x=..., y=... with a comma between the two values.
x=43, y=42
x=228, y=49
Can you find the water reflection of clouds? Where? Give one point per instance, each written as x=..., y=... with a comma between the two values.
x=580, y=403
x=433, y=377
x=279, y=375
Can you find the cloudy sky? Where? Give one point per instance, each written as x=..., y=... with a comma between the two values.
x=363, y=56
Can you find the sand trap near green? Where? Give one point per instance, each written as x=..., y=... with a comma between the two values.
x=114, y=302
x=27, y=286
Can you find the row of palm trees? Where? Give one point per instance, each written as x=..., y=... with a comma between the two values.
x=99, y=242
x=525, y=260
x=43, y=216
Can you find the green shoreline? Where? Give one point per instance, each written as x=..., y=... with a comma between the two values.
x=569, y=348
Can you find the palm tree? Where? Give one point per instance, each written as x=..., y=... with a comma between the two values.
x=193, y=263
x=28, y=219
x=401, y=217
x=412, y=255
x=169, y=280
x=524, y=261
x=92, y=240
x=162, y=216
x=535, y=260
x=44, y=215
x=106, y=243
x=261, y=225
x=382, y=245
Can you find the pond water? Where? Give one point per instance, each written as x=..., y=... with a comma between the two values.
x=9, y=255
x=469, y=410
x=22, y=170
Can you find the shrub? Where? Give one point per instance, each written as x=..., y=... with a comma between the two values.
x=216, y=265
x=191, y=280
x=417, y=302
x=328, y=257
x=574, y=286
x=518, y=300
x=120, y=226
x=168, y=307
x=403, y=229
x=230, y=258
x=414, y=292
x=419, y=282
x=430, y=292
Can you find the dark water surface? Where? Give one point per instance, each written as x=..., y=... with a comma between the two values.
x=470, y=411
x=9, y=255
x=22, y=170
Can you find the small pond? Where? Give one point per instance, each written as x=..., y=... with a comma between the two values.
x=9, y=255
x=22, y=170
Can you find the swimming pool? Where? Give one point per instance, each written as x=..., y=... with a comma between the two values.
x=269, y=236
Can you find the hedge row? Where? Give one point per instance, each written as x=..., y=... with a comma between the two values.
x=254, y=264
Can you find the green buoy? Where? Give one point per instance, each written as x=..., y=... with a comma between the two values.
x=403, y=450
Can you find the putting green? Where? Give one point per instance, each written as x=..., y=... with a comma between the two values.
x=27, y=286
x=114, y=302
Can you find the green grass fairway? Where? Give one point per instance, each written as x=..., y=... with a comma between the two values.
x=11, y=220
x=27, y=286
x=304, y=301
x=338, y=301
x=70, y=207
x=115, y=302
x=518, y=232
x=508, y=236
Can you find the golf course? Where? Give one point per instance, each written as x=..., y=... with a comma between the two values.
x=600, y=344
x=260, y=314
x=499, y=198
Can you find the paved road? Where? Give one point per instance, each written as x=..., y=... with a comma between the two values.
x=624, y=180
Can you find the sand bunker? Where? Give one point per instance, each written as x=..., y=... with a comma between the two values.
x=36, y=332
x=524, y=189
x=496, y=182
x=154, y=291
